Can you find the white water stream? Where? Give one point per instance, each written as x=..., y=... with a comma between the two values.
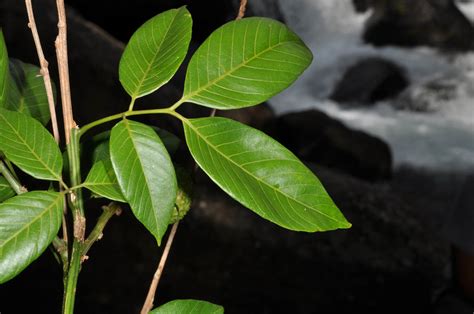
x=441, y=140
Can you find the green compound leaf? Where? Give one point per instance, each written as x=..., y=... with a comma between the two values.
x=261, y=174
x=27, y=93
x=102, y=181
x=6, y=191
x=3, y=71
x=155, y=52
x=30, y=146
x=145, y=174
x=28, y=224
x=244, y=63
x=188, y=306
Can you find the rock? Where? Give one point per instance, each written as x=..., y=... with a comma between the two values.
x=428, y=96
x=409, y=23
x=370, y=80
x=257, y=116
x=361, y=6
x=314, y=136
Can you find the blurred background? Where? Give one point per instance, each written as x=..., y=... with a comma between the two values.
x=385, y=118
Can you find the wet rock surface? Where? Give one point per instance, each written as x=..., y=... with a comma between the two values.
x=316, y=137
x=428, y=96
x=370, y=80
x=435, y=23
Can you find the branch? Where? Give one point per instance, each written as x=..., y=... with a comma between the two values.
x=150, y=298
x=243, y=7
x=96, y=234
x=14, y=183
x=62, y=56
x=44, y=68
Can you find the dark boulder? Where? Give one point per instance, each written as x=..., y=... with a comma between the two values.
x=370, y=80
x=361, y=6
x=257, y=116
x=316, y=137
x=435, y=23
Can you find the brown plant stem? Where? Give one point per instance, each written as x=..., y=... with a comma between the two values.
x=242, y=8
x=63, y=64
x=150, y=298
x=44, y=68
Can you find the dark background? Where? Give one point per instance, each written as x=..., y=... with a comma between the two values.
x=393, y=260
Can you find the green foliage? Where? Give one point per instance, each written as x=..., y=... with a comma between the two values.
x=30, y=146
x=188, y=306
x=241, y=64
x=155, y=52
x=102, y=181
x=3, y=71
x=28, y=224
x=145, y=174
x=6, y=190
x=261, y=174
x=26, y=91
x=244, y=63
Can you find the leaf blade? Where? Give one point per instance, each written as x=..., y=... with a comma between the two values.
x=3, y=71
x=28, y=224
x=155, y=52
x=27, y=91
x=30, y=146
x=271, y=58
x=145, y=174
x=102, y=181
x=188, y=306
x=262, y=175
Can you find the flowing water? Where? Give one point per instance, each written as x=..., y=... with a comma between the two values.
x=441, y=139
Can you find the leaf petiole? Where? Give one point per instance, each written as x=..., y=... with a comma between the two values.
x=169, y=110
x=14, y=183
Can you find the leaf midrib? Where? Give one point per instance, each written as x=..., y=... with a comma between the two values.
x=129, y=131
x=256, y=178
x=27, y=226
x=155, y=56
x=31, y=150
x=226, y=74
